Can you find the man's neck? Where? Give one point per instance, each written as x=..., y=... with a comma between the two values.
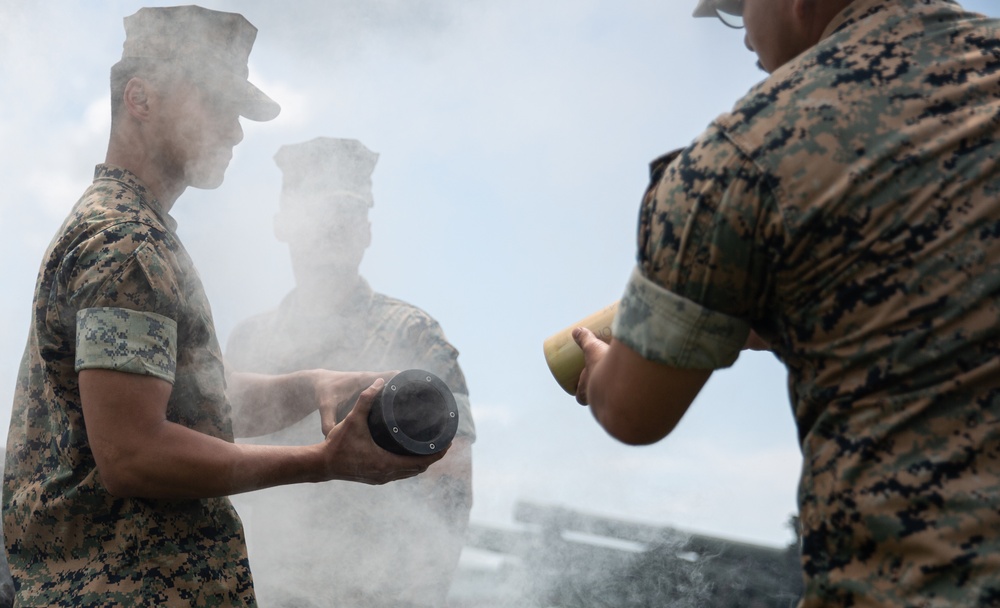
x=327, y=290
x=127, y=153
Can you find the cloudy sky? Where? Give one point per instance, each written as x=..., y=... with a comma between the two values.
x=514, y=138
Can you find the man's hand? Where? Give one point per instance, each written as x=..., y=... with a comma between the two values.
x=263, y=403
x=337, y=392
x=594, y=350
x=352, y=455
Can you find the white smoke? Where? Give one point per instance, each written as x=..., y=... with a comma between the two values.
x=518, y=134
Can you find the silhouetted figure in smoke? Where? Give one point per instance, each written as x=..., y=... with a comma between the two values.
x=846, y=214
x=120, y=453
x=391, y=546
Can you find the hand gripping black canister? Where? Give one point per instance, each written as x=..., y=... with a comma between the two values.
x=415, y=414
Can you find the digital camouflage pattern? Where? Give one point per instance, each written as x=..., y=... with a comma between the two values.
x=662, y=326
x=342, y=543
x=848, y=210
x=126, y=341
x=116, y=290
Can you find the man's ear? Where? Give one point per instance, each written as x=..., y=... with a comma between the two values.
x=136, y=98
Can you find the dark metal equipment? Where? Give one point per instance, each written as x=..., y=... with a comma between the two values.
x=415, y=414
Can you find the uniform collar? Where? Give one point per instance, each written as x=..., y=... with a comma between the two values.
x=358, y=301
x=131, y=181
x=860, y=10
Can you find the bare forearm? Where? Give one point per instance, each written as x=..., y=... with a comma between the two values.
x=638, y=401
x=176, y=462
x=264, y=404
x=140, y=453
x=613, y=402
x=601, y=391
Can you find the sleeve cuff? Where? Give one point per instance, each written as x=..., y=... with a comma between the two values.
x=664, y=327
x=127, y=341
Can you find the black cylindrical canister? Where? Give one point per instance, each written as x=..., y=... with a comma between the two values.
x=415, y=414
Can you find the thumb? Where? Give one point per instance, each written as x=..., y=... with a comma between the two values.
x=584, y=338
x=367, y=398
x=327, y=420
x=361, y=406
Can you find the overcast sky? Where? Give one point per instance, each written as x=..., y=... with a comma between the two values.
x=514, y=140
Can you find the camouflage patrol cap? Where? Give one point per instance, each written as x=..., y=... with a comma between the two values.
x=328, y=169
x=212, y=45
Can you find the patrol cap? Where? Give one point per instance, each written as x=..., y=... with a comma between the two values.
x=210, y=44
x=328, y=169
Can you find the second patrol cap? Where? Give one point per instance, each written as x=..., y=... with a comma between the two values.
x=328, y=168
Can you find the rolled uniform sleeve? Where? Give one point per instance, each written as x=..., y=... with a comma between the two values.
x=126, y=340
x=709, y=231
x=126, y=304
x=664, y=327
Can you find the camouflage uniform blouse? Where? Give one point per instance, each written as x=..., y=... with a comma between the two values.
x=848, y=210
x=301, y=535
x=116, y=291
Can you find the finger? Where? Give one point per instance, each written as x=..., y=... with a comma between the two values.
x=367, y=397
x=393, y=473
x=420, y=463
x=327, y=419
x=406, y=474
x=581, y=391
x=412, y=471
x=364, y=379
x=583, y=337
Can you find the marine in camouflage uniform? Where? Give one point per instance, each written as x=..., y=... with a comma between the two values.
x=116, y=291
x=847, y=210
x=364, y=545
x=394, y=545
x=120, y=450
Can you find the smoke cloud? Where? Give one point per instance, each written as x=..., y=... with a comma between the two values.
x=513, y=140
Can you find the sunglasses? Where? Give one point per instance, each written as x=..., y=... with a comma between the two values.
x=730, y=13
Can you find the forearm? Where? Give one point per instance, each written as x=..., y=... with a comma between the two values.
x=609, y=398
x=173, y=461
x=264, y=404
x=638, y=401
x=139, y=452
